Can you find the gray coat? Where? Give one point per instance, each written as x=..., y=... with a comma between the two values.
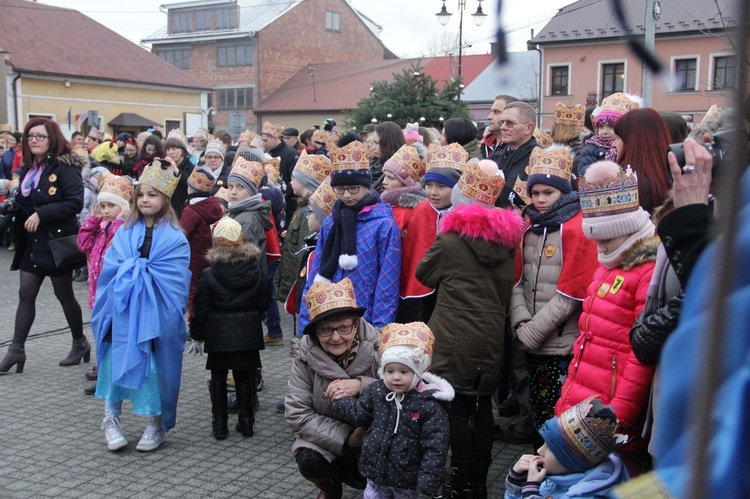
x=255, y=221
x=314, y=423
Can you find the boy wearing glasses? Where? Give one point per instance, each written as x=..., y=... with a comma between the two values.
x=360, y=240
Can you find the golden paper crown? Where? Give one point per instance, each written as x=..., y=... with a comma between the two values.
x=332, y=141
x=175, y=133
x=407, y=158
x=272, y=130
x=227, y=232
x=609, y=195
x=162, y=180
x=556, y=162
x=619, y=103
x=222, y=193
x=6, y=127
x=325, y=297
x=520, y=189
x=314, y=165
x=272, y=166
x=451, y=156
x=218, y=145
x=246, y=137
x=202, y=180
x=114, y=184
x=477, y=185
x=413, y=334
x=353, y=156
x=543, y=139
x=324, y=197
x=564, y=115
x=320, y=136
x=251, y=170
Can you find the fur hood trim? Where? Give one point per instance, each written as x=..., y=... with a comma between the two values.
x=495, y=225
x=442, y=389
x=642, y=251
x=73, y=160
x=412, y=199
x=232, y=254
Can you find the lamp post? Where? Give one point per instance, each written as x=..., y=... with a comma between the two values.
x=311, y=72
x=444, y=16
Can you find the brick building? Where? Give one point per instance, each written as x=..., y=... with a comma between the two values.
x=246, y=49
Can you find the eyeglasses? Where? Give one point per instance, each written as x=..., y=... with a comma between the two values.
x=37, y=137
x=510, y=123
x=351, y=189
x=344, y=330
x=213, y=158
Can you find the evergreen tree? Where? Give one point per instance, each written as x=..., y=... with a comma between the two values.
x=411, y=96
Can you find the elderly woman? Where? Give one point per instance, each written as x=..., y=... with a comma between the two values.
x=338, y=353
x=49, y=199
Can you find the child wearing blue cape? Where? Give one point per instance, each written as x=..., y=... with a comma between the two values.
x=138, y=314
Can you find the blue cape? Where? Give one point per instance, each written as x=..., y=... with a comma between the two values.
x=144, y=301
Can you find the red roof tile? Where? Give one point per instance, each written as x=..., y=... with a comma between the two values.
x=50, y=40
x=445, y=69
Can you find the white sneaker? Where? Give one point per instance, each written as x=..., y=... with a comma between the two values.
x=112, y=432
x=153, y=435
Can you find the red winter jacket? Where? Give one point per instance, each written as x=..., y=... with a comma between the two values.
x=603, y=361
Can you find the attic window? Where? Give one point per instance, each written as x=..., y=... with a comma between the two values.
x=333, y=21
x=189, y=21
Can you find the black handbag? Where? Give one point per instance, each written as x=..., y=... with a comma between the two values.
x=65, y=252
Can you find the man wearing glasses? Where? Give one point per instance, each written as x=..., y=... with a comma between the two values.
x=512, y=156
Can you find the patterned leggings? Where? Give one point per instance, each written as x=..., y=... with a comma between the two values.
x=375, y=491
x=547, y=374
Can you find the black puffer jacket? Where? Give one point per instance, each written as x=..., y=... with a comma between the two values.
x=230, y=301
x=650, y=331
x=406, y=447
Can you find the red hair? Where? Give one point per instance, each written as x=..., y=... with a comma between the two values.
x=645, y=138
x=58, y=144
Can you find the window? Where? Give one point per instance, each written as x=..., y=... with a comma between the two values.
x=234, y=55
x=685, y=74
x=560, y=80
x=178, y=57
x=170, y=125
x=613, y=78
x=333, y=21
x=204, y=19
x=236, y=98
x=725, y=72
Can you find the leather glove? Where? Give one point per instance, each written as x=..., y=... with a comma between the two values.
x=196, y=347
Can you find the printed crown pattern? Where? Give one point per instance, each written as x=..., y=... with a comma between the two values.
x=619, y=103
x=589, y=430
x=324, y=197
x=551, y=162
x=412, y=334
x=272, y=166
x=407, y=158
x=222, y=193
x=543, y=139
x=353, y=156
x=162, y=180
x=320, y=136
x=251, y=170
x=227, y=232
x=324, y=296
x=450, y=156
x=218, y=145
x=177, y=134
x=477, y=185
x=618, y=194
x=520, y=189
x=6, y=127
x=574, y=116
x=272, y=130
x=117, y=185
x=314, y=165
x=246, y=136
x=201, y=180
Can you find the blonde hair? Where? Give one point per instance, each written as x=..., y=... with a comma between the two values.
x=564, y=134
x=166, y=214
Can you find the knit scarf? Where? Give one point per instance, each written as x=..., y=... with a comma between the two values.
x=392, y=196
x=614, y=259
x=342, y=239
x=605, y=143
x=347, y=357
x=563, y=210
x=245, y=203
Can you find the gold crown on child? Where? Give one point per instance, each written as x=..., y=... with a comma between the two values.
x=324, y=197
x=565, y=115
x=117, y=185
x=450, y=156
x=615, y=195
x=160, y=179
x=352, y=156
x=407, y=158
x=314, y=165
x=556, y=162
x=412, y=334
x=477, y=185
x=251, y=170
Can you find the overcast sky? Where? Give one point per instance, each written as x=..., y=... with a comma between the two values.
x=408, y=25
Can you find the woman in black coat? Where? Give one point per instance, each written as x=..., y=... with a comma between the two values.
x=49, y=198
x=176, y=151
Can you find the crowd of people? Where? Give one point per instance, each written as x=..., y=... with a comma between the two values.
x=438, y=279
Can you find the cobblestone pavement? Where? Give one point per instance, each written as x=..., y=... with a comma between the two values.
x=51, y=444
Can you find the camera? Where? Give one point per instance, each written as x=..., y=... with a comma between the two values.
x=719, y=148
x=8, y=207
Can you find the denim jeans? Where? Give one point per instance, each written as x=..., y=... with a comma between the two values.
x=273, y=320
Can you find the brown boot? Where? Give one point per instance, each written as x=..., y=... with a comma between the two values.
x=81, y=350
x=16, y=356
x=330, y=488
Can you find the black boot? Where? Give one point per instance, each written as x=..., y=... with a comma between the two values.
x=481, y=468
x=81, y=350
x=462, y=483
x=330, y=488
x=219, y=417
x=246, y=418
x=16, y=356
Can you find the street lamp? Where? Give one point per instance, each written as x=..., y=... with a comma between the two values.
x=444, y=16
